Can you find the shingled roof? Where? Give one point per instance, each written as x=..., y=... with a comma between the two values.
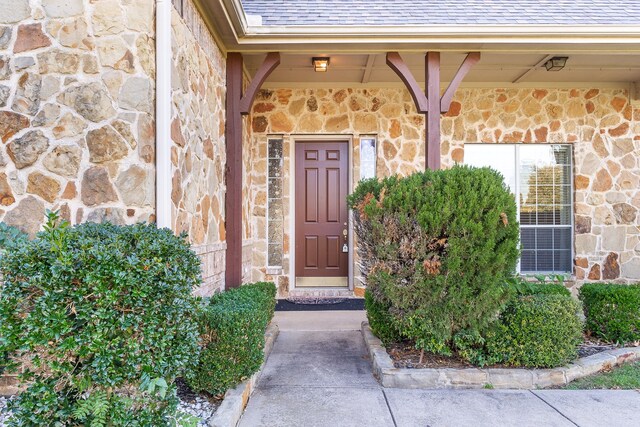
x=444, y=12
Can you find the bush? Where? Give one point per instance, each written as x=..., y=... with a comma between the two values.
x=380, y=320
x=537, y=331
x=10, y=235
x=612, y=311
x=521, y=287
x=101, y=318
x=438, y=246
x=263, y=293
x=232, y=328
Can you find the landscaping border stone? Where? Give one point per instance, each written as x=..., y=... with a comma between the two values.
x=235, y=400
x=498, y=378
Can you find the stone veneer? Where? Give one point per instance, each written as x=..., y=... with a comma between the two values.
x=198, y=150
x=602, y=125
x=77, y=130
x=76, y=111
x=77, y=102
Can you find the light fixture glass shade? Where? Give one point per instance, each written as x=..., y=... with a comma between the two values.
x=320, y=64
x=556, y=63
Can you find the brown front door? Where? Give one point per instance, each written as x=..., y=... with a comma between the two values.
x=321, y=213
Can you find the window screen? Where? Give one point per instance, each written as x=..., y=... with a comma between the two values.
x=540, y=176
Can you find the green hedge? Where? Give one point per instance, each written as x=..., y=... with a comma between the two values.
x=521, y=287
x=263, y=293
x=612, y=311
x=437, y=247
x=380, y=320
x=232, y=325
x=10, y=236
x=105, y=315
x=540, y=331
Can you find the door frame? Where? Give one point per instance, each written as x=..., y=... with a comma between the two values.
x=293, y=140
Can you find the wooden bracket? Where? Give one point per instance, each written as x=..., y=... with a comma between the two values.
x=431, y=104
x=397, y=64
x=269, y=64
x=471, y=60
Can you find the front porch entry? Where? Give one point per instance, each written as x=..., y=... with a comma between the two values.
x=321, y=216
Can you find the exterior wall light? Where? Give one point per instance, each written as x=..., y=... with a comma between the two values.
x=320, y=64
x=556, y=63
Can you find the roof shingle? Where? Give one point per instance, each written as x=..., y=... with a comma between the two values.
x=444, y=12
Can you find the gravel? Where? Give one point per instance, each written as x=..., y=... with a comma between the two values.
x=200, y=407
x=4, y=414
x=196, y=404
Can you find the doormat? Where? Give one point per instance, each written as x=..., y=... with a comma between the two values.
x=316, y=300
x=319, y=304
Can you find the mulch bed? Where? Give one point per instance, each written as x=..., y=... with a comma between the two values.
x=187, y=395
x=592, y=346
x=405, y=355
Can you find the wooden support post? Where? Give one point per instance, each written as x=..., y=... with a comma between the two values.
x=233, y=172
x=236, y=106
x=432, y=122
x=432, y=105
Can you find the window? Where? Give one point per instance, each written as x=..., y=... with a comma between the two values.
x=275, y=214
x=540, y=176
x=367, y=157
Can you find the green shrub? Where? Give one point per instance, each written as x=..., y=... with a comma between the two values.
x=10, y=235
x=264, y=293
x=521, y=286
x=538, y=331
x=612, y=311
x=438, y=246
x=232, y=327
x=380, y=320
x=101, y=318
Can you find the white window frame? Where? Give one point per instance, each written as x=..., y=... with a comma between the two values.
x=549, y=226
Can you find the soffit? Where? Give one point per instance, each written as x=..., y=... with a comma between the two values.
x=492, y=68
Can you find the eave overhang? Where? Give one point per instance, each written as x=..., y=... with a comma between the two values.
x=239, y=32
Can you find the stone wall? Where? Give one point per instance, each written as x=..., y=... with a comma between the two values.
x=604, y=128
x=76, y=110
x=250, y=182
x=198, y=150
x=601, y=124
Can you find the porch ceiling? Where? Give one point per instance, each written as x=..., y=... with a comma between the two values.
x=494, y=68
x=511, y=53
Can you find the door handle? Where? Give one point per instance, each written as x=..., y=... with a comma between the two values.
x=345, y=233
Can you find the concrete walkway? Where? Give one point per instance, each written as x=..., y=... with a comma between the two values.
x=319, y=374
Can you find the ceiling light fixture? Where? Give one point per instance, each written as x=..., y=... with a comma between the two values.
x=556, y=63
x=320, y=64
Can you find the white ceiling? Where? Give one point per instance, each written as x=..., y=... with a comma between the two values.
x=492, y=68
